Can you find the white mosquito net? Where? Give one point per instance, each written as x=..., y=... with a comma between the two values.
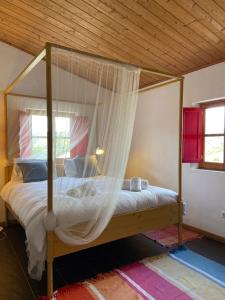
x=93, y=110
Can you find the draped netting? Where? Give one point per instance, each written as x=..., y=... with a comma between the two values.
x=93, y=110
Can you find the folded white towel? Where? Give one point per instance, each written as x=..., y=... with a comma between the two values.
x=83, y=190
x=127, y=184
x=144, y=184
x=135, y=184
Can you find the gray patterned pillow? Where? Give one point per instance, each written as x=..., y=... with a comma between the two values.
x=34, y=171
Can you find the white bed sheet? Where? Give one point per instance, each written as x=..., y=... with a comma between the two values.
x=29, y=202
x=28, y=199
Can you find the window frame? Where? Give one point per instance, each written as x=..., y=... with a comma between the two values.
x=65, y=115
x=211, y=165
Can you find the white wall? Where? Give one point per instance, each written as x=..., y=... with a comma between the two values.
x=154, y=148
x=155, y=142
x=12, y=62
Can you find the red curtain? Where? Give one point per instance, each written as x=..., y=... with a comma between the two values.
x=25, y=134
x=192, y=134
x=79, y=136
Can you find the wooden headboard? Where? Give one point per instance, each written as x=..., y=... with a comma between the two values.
x=8, y=173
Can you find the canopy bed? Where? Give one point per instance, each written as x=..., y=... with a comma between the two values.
x=102, y=93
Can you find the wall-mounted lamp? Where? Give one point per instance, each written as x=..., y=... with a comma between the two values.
x=99, y=151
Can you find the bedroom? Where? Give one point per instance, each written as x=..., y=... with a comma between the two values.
x=203, y=204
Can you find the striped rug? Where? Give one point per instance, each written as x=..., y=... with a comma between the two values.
x=160, y=277
x=168, y=237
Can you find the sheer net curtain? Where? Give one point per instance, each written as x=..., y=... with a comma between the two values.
x=107, y=95
x=94, y=104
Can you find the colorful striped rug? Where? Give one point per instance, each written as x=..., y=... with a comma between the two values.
x=207, y=267
x=168, y=237
x=160, y=277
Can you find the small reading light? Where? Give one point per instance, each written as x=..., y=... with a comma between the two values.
x=99, y=151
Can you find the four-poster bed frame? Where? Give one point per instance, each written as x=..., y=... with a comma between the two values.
x=120, y=226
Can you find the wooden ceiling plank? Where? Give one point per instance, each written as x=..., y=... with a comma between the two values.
x=220, y=3
x=172, y=20
x=178, y=11
x=107, y=52
x=129, y=3
x=171, y=64
x=213, y=9
x=37, y=27
x=4, y=40
x=166, y=28
x=26, y=38
x=28, y=34
x=89, y=44
x=21, y=37
x=17, y=42
x=106, y=32
x=145, y=55
x=203, y=17
x=147, y=28
x=13, y=26
x=133, y=22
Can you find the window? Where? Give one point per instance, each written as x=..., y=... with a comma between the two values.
x=39, y=136
x=213, y=136
x=62, y=131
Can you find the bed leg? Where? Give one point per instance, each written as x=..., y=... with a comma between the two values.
x=50, y=259
x=49, y=278
x=180, y=224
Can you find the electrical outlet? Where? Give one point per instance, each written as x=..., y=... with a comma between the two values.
x=223, y=214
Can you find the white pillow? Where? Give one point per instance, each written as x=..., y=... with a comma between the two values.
x=70, y=168
x=75, y=167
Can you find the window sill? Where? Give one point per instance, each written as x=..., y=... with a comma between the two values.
x=196, y=167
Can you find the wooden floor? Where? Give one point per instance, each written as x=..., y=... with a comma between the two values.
x=16, y=285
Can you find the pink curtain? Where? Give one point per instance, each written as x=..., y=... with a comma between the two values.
x=79, y=136
x=25, y=134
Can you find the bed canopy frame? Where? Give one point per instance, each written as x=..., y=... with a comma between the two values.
x=131, y=223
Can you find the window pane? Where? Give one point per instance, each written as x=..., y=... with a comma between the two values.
x=62, y=147
x=39, y=147
x=62, y=126
x=39, y=125
x=214, y=120
x=214, y=149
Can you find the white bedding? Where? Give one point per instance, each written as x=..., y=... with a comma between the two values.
x=29, y=201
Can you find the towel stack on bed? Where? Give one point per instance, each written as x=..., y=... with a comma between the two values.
x=135, y=184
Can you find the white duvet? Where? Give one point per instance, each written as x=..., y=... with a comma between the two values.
x=29, y=202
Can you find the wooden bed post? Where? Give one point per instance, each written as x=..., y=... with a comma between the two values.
x=57, y=248
x=180, y=202
x=6, y=213
x=50, y=233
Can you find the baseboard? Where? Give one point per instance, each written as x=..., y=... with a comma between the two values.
x=205, y=233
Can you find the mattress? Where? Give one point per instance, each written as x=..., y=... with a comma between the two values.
x=29, y=203
x=29, y=199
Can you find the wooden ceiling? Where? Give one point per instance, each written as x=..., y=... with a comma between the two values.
x=176, y=36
